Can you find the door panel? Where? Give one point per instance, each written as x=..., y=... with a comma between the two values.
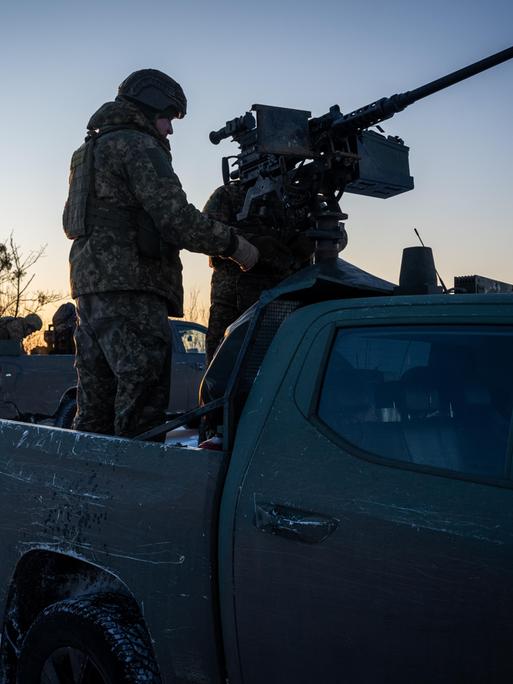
x=406, y=577
x=188, y=365
x=34, y=384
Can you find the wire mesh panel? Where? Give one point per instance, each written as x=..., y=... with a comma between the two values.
x=271, y=318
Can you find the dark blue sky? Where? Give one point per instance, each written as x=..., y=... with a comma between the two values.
x=61, y=60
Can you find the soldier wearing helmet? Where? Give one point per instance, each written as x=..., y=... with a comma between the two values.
x=59, y=337
x=128, y=217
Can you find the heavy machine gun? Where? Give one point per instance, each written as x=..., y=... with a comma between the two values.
x=308, y=163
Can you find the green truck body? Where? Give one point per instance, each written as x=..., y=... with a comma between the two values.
x=357, y=528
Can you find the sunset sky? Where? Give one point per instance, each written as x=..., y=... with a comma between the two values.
x=61, y=60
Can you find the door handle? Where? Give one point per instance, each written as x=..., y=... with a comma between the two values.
x=294, y=523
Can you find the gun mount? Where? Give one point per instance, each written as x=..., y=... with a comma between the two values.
x=308, y=163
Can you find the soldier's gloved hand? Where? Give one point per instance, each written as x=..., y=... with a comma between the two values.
x=245, y=255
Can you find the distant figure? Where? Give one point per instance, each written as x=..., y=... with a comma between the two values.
x=59, y=336
x=19, y=327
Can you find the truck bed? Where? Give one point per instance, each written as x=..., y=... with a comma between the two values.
x=111, y=502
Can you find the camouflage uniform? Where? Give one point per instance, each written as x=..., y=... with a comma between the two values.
x=12, y=328
x=283, y=247
x=17, y=327
x=128, y=218
x=64, y=322
x=124, y=362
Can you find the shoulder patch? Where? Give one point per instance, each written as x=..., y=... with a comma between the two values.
x=161, y=165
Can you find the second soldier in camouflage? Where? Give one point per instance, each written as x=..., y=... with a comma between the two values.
x=283, y=248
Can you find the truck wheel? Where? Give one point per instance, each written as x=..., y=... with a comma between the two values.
x=90, y=640
x=66, y=413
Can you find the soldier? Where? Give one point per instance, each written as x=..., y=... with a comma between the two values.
x=283, y=248
x=128, y=218
x=18, y=327
x=59, y=337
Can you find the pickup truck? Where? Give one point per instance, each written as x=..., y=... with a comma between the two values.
x=42, y=387
x=356, y=526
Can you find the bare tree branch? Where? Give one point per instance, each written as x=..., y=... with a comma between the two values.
x=194, y=309
x=16, y=278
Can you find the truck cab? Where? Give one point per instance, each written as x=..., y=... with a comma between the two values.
x=355, y=526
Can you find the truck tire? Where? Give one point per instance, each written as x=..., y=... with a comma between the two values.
x=97, y=639
x=66, y=413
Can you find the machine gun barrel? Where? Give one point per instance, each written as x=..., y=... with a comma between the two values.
x=385, y=108
x=460, y=75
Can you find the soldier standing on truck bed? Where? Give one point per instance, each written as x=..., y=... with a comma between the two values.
x=59, y=337
x=128, y=218
x=284, y=249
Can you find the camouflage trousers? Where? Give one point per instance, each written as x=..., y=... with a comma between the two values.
x=232, y=292
x=123, y=360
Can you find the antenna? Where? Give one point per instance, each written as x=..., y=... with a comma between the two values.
x=445, y=290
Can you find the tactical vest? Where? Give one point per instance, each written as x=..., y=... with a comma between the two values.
x=83, y=209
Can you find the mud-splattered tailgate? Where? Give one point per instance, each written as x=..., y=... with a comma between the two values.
x=142, y=514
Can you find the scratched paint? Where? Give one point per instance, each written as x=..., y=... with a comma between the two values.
x=140, y=512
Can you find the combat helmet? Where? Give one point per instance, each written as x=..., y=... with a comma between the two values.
x=155, y=90
x=33, y=321
x=66, y=315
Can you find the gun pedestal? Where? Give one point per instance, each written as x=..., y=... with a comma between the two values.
x=329, y=235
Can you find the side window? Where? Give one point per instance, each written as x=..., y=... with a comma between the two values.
x=193, y=339
x=437, y=396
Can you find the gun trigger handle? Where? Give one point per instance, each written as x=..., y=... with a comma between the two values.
x=226, y=170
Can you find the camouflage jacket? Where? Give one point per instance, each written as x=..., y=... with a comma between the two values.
x=283, y=246
x=133, y=176
x=13, y=328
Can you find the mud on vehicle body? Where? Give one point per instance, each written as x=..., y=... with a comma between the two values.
x=364, y=488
